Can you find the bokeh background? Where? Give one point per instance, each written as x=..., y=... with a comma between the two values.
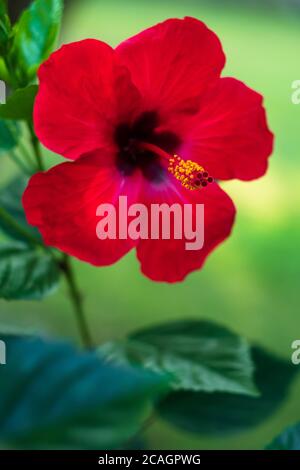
x=251, y=283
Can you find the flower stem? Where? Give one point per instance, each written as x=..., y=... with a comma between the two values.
x=145, y=426
x=10, y=221
x=76, y=298
x=36, y=147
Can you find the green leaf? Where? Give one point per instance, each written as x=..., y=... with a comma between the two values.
x=198, y=356
x=4, y=75
x=8, y=136
x=287, y=440
x=224, y=413
x=35, y=35
x=53, y=396
x=20, y=104
x=11, y=201
x=26, y=273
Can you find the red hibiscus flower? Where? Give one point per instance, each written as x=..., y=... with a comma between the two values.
x=120, y=114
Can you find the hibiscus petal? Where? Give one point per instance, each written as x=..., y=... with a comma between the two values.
x=172, y=63
x=229, y=136
x=169, y=260
x=83, y=93
x=63, y=201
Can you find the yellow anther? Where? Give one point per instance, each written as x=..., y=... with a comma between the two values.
x=190, y=174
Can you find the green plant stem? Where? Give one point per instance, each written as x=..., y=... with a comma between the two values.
x=9, y=220
x=36, y=147
x=76, y=298
x=145, y=426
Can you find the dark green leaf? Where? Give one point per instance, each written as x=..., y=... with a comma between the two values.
x=35, y=36
x=224, y=413
x=26, y=273
x=8, y=136
x=11, y=201
x=198, y=356
x=20, y=104
x=288, y=440
x=53, y=396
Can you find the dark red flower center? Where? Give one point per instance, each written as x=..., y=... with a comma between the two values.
x=132, y=155
x=141, y=145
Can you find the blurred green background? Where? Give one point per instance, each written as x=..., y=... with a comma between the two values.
x=251, y=283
